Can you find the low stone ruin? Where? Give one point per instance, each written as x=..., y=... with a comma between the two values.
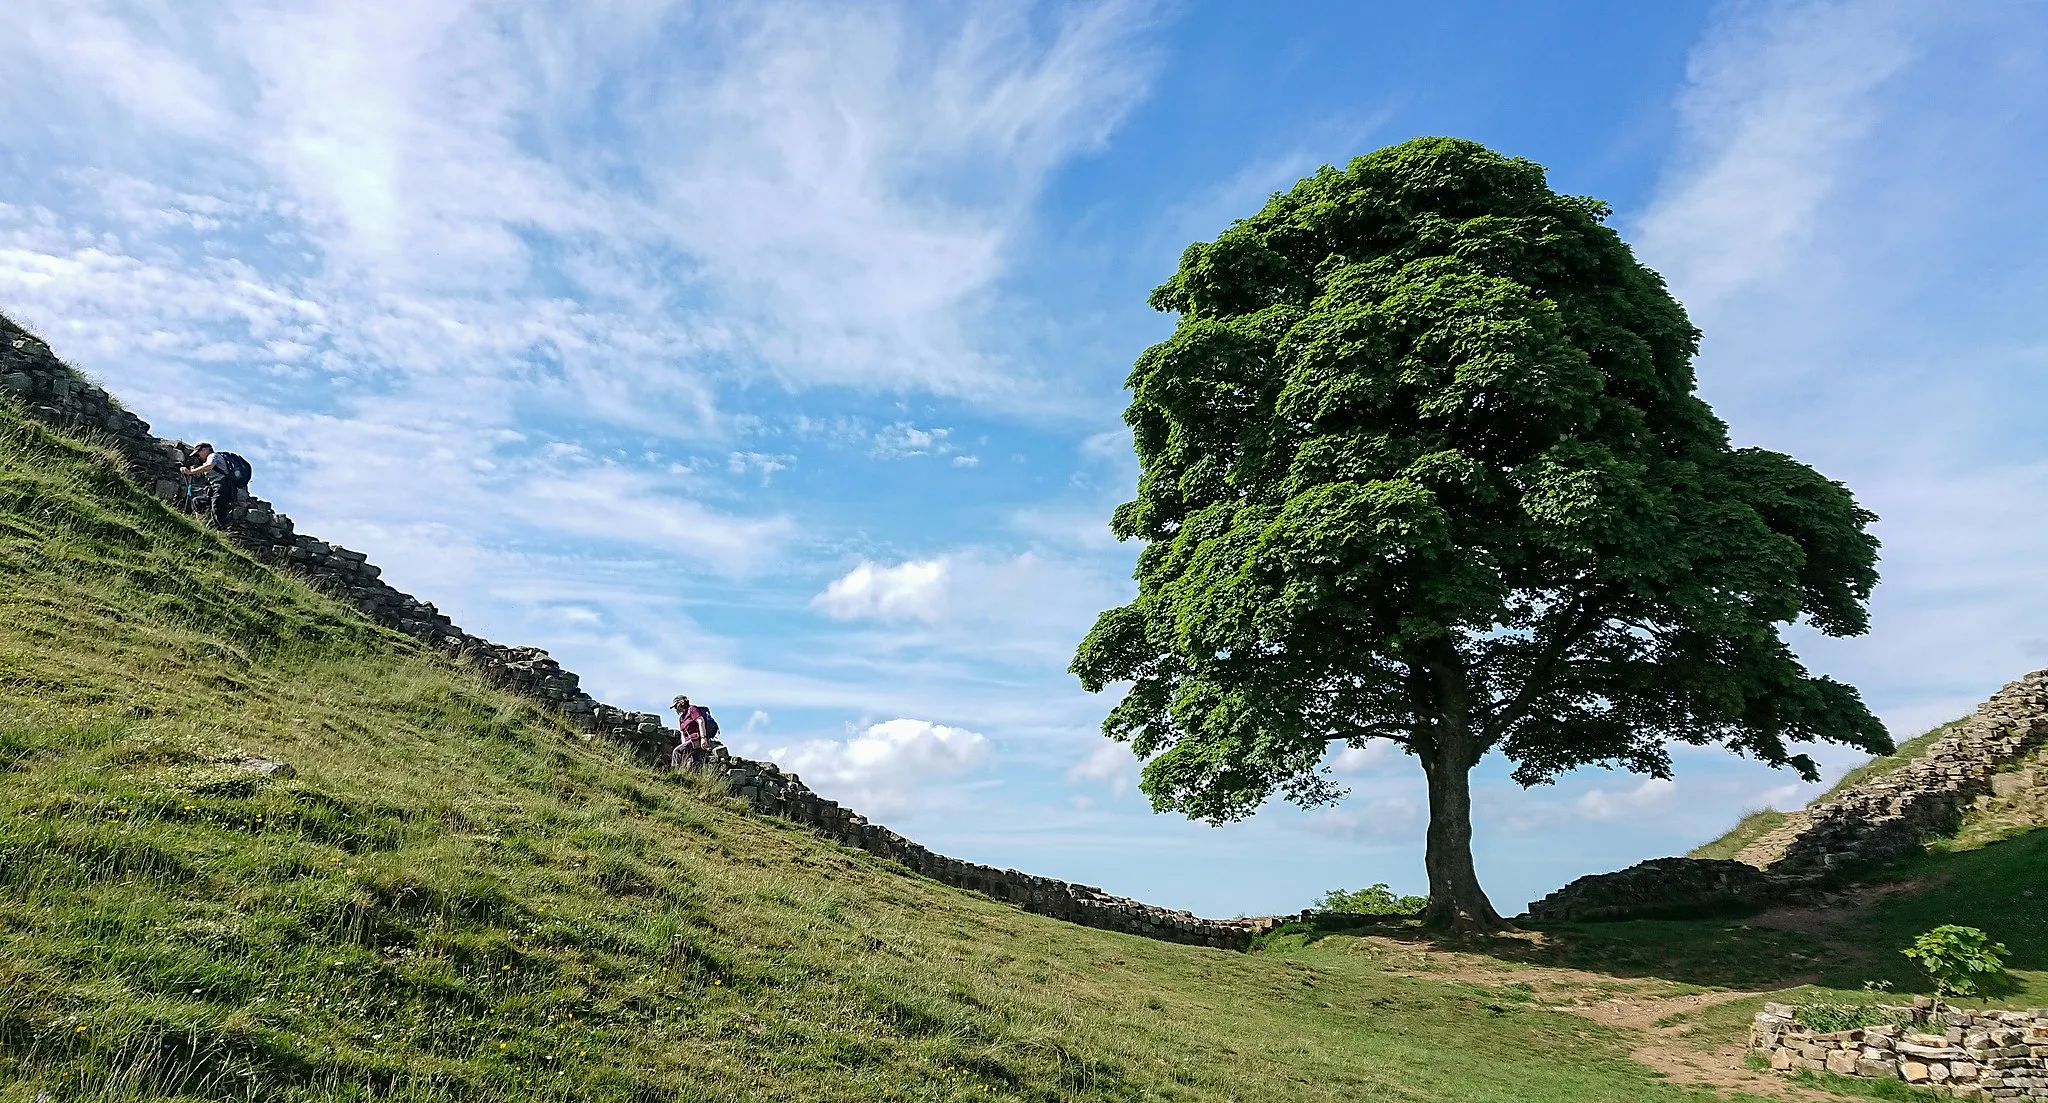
x=1671, y=888
x=54, y=394
x=1962, y=1054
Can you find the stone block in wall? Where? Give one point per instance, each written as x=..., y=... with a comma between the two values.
x=2012, y=784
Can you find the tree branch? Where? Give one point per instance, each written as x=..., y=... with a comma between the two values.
x=1403, y=739
x=1582, y=615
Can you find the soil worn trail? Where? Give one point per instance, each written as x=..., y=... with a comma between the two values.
x=1662, y=1013
x=1668, y=1046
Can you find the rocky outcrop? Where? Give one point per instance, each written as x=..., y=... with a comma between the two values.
x=53, y=393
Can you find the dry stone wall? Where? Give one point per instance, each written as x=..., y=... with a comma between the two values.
x=1990, y=756
x=1671, y=888
x=1890, y=815
x=53, y=393
x=1961, y=1054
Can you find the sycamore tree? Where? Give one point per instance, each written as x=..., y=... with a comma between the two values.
x=1422, y=462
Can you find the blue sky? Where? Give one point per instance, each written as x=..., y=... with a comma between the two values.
x=774, y=352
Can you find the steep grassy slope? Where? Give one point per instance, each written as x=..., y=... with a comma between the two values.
x=458, y=897
x=1755, y=825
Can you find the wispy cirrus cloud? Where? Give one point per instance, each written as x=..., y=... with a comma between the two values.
x=1840, y=220
x=514, y=299
x=403, y=241
x=1777, y=100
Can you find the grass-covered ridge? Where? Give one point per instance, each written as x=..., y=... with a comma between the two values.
x=1891, y=763
x=1756, y=824
x=1751, y=827
x=458, y=897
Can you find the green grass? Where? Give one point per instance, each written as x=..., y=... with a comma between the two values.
x=1885, y=764
x=459, y=898
x=2001, y=887
x=1751, y=827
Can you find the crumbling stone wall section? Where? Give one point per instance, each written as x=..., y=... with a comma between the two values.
x=53, y=393
x=1961, y=1054
x=1889, y=816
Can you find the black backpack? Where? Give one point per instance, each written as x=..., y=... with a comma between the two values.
x=232, y=468
x=710, y=722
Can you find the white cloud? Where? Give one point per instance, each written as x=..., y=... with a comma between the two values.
x=1646, y=799
x=1110, y=764
x=913, y=590
x=904, y=439
x=1358, y=760
x=881, y=771
x=851, y=182
x=1776, y=101
x=766, y=464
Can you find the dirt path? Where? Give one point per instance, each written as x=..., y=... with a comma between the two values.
x=1663, y=1014
x=1667, y=1047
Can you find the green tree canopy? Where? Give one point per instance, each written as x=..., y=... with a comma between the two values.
x=1422, y=462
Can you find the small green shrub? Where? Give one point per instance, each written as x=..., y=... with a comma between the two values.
x=1955, y=956
x=1377, y=900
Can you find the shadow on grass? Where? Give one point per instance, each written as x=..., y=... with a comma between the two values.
x=2001, y=888
x=1719, y=953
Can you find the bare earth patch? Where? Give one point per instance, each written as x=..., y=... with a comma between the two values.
x=1663, y=1013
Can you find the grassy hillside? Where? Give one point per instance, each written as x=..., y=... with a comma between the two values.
x=456, y=897
x=1754, y=825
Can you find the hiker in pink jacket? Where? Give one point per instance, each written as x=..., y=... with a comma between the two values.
x=695, y=725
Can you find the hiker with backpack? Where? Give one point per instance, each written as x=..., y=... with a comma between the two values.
x=698, y=728
x=227, y=477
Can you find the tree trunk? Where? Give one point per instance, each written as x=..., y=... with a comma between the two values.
x=1456, y=902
